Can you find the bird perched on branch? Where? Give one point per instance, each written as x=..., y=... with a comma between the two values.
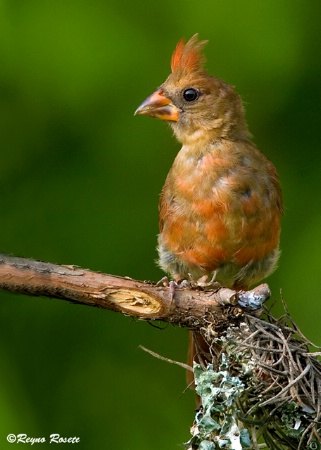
x=220, y=207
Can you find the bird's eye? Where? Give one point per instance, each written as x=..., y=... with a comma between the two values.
x=191, y=94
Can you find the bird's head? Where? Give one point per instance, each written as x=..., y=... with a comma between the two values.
x=197, y=105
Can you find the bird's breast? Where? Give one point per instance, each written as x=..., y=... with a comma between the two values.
x=219, y=206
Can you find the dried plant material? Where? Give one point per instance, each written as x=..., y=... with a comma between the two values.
x=262, y=387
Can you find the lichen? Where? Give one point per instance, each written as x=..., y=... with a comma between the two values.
x=216, y=425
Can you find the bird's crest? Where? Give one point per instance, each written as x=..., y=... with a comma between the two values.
x=188, y=56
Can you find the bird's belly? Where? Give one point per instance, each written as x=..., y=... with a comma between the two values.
x=232, y=234
x=243, y=260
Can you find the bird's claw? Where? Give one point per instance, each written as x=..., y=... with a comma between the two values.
x=206, y=285
x=202, y=283
x=173, y=285
x=163, y=282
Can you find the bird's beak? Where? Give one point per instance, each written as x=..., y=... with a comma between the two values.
x=160, y=106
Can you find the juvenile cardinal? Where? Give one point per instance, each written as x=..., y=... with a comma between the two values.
x=220, y=207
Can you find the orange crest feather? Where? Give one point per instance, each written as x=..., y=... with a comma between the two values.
x=188, y=56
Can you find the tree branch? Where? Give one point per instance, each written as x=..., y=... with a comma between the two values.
x=193, y=308
x=259, y=376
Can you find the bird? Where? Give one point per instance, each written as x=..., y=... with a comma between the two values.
x=221, y=204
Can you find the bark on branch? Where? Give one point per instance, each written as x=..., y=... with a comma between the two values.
x=193, y=308
x=259, y=377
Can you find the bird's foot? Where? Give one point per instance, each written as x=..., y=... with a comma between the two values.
x=201, y=283
x=174, y=285
x=207, y=285
x=163, y=282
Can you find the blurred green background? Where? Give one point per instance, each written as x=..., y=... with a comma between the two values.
x=80, y=179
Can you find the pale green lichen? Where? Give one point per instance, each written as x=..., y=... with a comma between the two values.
x=216, y=424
